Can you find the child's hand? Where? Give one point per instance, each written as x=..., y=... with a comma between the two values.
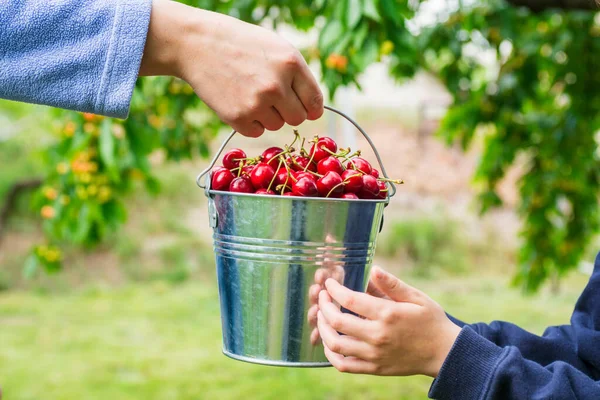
x=403, y=332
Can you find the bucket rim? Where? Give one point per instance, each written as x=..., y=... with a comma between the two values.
x=296, y=198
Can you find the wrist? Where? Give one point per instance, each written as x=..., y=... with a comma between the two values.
x=442, y=349
x=165, y=41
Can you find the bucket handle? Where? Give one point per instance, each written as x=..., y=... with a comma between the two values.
x=361, y=130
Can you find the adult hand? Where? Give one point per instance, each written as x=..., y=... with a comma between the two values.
x=252, y=78
x=403, y=332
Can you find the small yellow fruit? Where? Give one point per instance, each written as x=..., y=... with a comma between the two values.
x=104, y=194
x=88, y=116
x=81, y=192
x=69, y=130
x=89, y=128
x=62, y=168
x=92, y=190
x=48, y=212
x=50, y=193
x=118, y=131
x=387, y=47
x=85, y=177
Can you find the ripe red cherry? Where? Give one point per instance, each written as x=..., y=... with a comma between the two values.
x=319, y=153
x=271, y=153
x=241, y=185
x=330, y=185
x=232, y=158
x=262, y=175
x=301, y=174
x=360, y=164
x=330, y=164
x=299, y=163
x=247, y=169
x=221, y=179
x=353, y=181
x=383, y=190
x=375, y=173
x=305, y=187
x=282, y=177
x=288, y=194
x=264, y=191
x=370, y=188
x=349, y=196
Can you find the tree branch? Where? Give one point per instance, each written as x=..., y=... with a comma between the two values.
x=541, y=5
x=11, y=199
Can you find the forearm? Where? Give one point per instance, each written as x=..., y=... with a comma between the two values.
x=478, y=369
x=69, y=55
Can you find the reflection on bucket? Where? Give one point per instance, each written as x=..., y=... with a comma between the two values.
x=273, y=253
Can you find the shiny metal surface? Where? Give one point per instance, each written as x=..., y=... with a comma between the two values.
x=270, y=251
x=273, y=254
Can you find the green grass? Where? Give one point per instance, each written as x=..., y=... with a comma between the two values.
x=156, y=341
x=425, y=244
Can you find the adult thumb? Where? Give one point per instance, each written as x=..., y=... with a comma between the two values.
x=393, y=287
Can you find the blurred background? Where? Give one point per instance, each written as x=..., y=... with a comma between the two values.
x=488, y=110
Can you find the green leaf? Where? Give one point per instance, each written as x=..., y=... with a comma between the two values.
x=353, y=13
x=319, y=3
x=342, y=44
x=360, y=35
x=390, y=10
x=114, y=213
x=152, y=185
x=31, y=266
x=107, y=150
x=369, y=53
x=370, y=10
x=84, y=224
x=330, y=35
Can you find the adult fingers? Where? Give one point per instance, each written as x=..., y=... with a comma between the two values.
x=309, y=93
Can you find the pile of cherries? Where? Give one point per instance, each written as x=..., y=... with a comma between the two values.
x=323, y=171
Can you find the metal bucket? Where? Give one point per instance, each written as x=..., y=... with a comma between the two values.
x=272, y=254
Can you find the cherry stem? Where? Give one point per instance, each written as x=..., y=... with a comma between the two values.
x=352, y=176
x=275, y=176
x=288, y=150
x=335, y=187
x=281, y=188
x=287, y=178
x=356, y=169
x=296, y=136
x=249, y=159
x=396, y=181
x=342, y=154
x=347, y=157
x=312, y=156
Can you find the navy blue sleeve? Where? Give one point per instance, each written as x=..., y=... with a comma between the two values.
x=79, y=55
x=577, y=344
x=477, y=369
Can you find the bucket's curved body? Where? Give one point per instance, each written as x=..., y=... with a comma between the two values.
x=270, y=251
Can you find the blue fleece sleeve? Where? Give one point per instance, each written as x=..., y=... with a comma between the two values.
x=73, y=54
x=477, y=369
